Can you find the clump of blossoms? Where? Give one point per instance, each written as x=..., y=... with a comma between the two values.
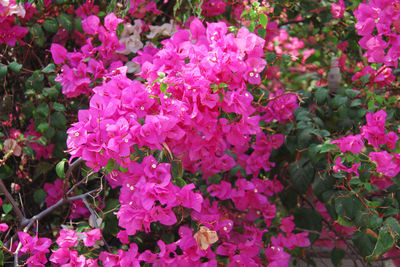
x=382, y=142
x=193, y=107
x=378, y=22
x=82, y=70
x=9, y=31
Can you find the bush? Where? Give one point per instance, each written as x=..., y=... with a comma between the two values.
x=204, y=133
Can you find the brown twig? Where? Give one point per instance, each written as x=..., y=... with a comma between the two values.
x=330, y=226
x=95, y=222
x=68, y=174
x=80, y=182
x=37, y=217
x=10, y=199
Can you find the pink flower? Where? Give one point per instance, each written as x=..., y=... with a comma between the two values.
x=3, y=227
x=211, y=8
x=67, y=238
x=338, y=9
x=287, y=224
x=91, y=237
x=91, y=24
x=339, y=166
x=385, y=164
x=111, y=22
x=352, y=143
x=60, y=256
x=58, y=53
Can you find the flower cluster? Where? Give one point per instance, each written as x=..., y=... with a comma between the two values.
x=82, y=70
x=381, y=140
x=37, y=248
x=378, y=24
x=194, y=108
x=9, y=31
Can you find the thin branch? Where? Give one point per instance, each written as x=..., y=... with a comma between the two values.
x=68, y=174
x=10, y=199
x=96, y=225
x=330, y=226
x=47, y=211
x=55, y=206
x=80, y=182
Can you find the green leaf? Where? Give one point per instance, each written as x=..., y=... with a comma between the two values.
x=339, y=100
x=58, y=120
x=5, y=171
x=301, y=174
x=364, y=242
x=60, y=168
x=252, y=26
x=177, y=169
x=66, y=22
x=49, y=68
x=177, y=5
x=42, y=127
x=347, y=206
x=110, y=165
x=42, y=141
x=180, y=182
x=301, y=114
x=50, y=132
x=52, y=92
x=365, y=78
x=58, y=107
x=78, y=25
x=352, y=93
x=168, y=238
x=29, y=151
x=1, y=258
x=38, y=34
x=163, y=87
x=221, y=97
x=43, y=109
x=39, y=196
x=337, y=255
x=261, y=32
x=3, y=70
x=42, y=168
x=309, y=219
x=15, y=66
x=50, y=25
x=393, y=227
x=7, y=208
x=35, y=82
x=356, y=103
x=384, y=243
x=270, y=57
x=322, y=184
x=110, y=219
x=263, y=20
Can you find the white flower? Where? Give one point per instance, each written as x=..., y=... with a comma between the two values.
x=132, y=67
x=167, y=29
x=132, y=44
x=12, y=9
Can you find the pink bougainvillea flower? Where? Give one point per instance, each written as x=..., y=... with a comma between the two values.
x=91, y=237
x=339, y=166
x=58, y=53
x=338, y=9
x=68, y=238
x=385, y=163
x=352, y=143
x=3, y=227
x=91, y=24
